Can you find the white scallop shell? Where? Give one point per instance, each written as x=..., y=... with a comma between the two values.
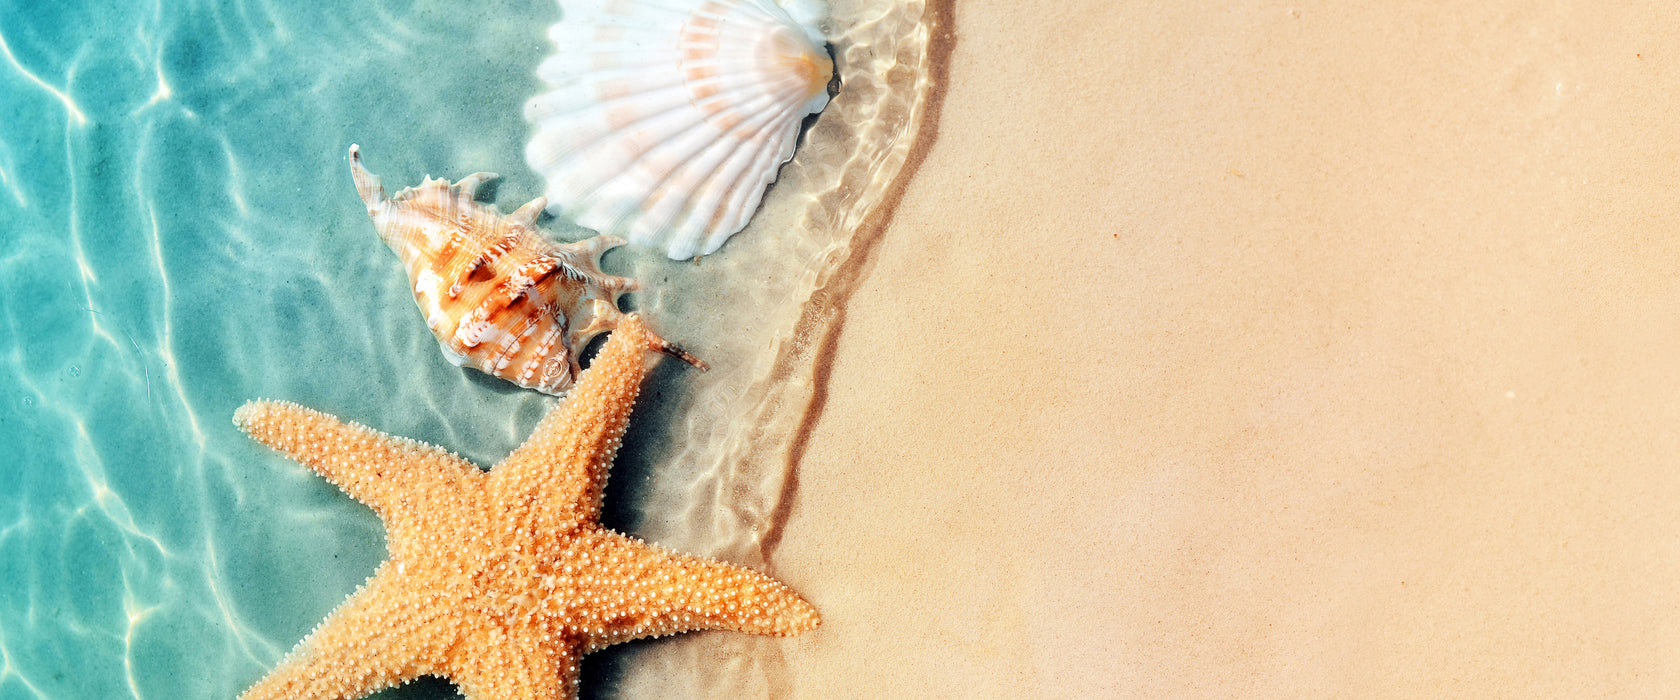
x=666, y=119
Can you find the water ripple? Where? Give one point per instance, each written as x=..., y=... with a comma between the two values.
x=70, y=106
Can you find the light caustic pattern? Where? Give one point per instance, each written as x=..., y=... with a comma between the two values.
x=178, y=235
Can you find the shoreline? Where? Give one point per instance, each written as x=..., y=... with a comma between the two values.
x=811, y=330
x=1265, y=350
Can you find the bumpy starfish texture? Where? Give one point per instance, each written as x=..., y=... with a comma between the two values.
x=502, y=580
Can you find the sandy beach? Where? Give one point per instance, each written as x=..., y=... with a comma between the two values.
x=1263, y=350
x=1211, y=350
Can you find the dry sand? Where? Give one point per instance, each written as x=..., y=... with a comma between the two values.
x=1265, y=350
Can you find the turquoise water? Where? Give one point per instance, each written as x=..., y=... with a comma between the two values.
x=179, y=234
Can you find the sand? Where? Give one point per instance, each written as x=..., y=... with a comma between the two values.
x=1263, y=350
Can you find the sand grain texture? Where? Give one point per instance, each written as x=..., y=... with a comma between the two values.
x=1263, y=349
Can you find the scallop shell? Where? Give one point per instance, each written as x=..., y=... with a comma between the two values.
x=499, y=296
x=667, y=119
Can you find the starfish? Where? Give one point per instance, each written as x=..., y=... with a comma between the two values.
x=502, y=580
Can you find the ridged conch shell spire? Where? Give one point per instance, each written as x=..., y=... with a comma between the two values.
x=665, y=120
x=498, y=294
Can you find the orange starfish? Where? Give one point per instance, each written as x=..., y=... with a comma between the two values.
x=502, y=580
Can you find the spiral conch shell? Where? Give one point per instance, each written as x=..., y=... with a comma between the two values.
x=499, y=296
x=665, y=120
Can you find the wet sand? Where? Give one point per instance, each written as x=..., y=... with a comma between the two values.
x=1271, y=350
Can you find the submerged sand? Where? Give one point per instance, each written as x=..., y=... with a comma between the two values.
x=1264, y=349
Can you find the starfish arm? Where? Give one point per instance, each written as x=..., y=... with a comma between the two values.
x=377, y=469
x=515, y=663
x=383, y=635
x=565, y=461
x=674, y=593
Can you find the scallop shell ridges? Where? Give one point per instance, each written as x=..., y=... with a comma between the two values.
x=665, y=120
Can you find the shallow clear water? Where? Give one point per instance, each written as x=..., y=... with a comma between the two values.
x=178, y=235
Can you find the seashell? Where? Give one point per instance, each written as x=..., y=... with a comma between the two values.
x=667, y=119
x=499, y=295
